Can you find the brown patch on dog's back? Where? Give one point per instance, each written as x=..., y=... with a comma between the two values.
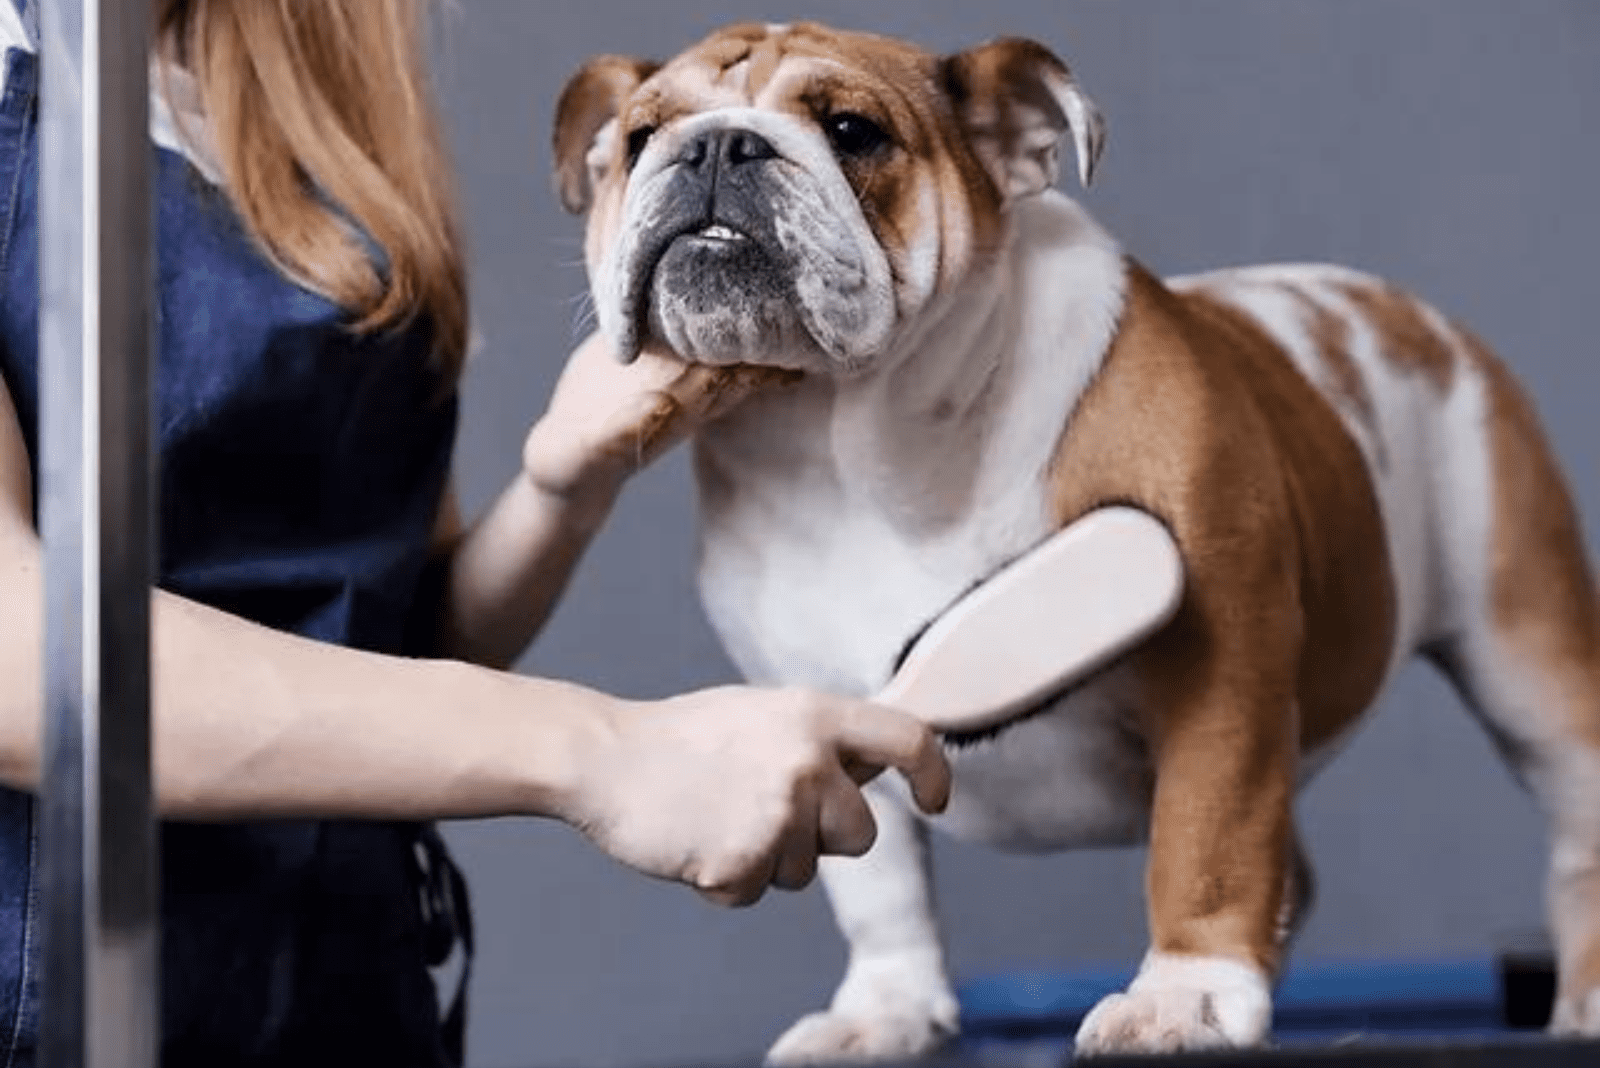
x=1330, y=335
x=1405, y=337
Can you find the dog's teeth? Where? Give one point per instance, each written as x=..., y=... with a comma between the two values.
x=721, y=233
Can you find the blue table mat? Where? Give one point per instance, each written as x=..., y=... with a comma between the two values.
x=1317, y=1002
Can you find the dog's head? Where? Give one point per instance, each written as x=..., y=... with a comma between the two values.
x=790, y=195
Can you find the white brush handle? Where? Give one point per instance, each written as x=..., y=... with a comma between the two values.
x=1087, y=594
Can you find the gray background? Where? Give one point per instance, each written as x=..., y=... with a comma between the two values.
x=1450, y=145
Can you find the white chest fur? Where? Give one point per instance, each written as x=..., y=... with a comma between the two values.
x=840, y=517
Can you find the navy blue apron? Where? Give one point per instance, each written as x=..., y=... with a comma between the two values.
x=301, y=469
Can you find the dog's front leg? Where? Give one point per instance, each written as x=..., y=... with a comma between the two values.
x=895, y=1000
x=1221, y=853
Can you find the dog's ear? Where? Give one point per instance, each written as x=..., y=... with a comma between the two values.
x=1016, y=99
x=584, y=123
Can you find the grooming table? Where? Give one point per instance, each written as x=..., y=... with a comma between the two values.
x=1477, y=1012
x=1461, y=1013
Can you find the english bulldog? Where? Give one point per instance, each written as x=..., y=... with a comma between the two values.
x=1351, y=477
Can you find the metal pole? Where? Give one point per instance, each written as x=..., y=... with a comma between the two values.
x=100, y=947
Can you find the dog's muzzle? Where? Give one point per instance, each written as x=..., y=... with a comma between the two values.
x=711, y=277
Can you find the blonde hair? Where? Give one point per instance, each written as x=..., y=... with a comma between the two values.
x=314, y=103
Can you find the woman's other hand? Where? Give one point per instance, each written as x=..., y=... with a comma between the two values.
x=736, y=789
x=607, y=419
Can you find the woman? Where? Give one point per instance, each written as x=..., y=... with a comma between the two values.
x=326, y=632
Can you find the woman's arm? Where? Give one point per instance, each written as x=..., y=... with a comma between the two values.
x=730, y=790
x=604, y=422
x=253, y=722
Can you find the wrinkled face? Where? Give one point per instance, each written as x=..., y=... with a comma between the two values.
x=790, y=195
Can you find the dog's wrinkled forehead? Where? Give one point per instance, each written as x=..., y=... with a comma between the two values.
x=1001, y=106
x=804, y=69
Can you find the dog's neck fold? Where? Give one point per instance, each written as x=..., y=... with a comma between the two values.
x=969, y=399
x=950, y=427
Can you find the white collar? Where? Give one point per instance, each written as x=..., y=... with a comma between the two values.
x=177, y=121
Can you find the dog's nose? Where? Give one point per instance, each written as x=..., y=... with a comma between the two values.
x=727, y=148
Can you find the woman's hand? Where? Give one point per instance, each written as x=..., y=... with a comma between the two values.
x=604, y=421
x=607, y=420
x=736, y=789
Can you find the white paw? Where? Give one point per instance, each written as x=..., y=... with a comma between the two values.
x=884, y=1010
x=1179, y=1004
x=1577, y=1016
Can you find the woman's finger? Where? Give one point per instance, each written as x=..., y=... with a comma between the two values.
x=845, y=824
x=796, y=860
x=874, y=736
x=797, y=852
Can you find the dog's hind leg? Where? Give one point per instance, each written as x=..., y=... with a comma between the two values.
x=1521, y=643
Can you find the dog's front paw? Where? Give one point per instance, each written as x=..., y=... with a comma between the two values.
x=1577, y=1016
x=1181, y=1003
x=887, y=1010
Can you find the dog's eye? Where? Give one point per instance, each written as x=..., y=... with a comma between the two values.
x=636, y=141
x=854, y=135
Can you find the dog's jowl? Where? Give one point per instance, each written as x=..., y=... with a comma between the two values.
x=1352, y=479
